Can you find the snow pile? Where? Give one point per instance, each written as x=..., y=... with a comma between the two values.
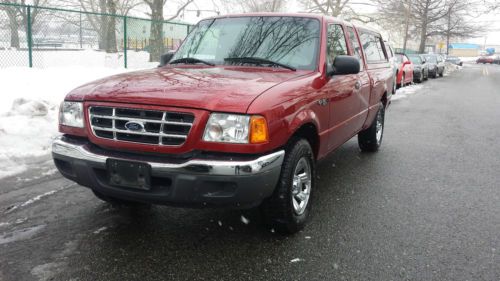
x=404, y=92
x=450, y=68
x=468, y=59
x=29, y=110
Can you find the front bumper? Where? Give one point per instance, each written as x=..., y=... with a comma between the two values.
x=194, y=182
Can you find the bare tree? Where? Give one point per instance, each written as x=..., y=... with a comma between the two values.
x=18, y=14
x=249, y=6
x=105, y=26
x=328, y=7
x=156, y=35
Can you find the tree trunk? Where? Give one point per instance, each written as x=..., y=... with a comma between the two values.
x=14, y=30
x=423, y=37
x=407, y=25
x=156, y=33
x=111, y=28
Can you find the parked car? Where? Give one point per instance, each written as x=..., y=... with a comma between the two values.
x=394, y=64
x=485, y=60
x=454, y=60
x=420, y=68
x=496, y=59
x=233, y=119
x=436, y=65
x=405, y=70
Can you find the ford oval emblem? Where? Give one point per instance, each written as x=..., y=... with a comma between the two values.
x=134, y=126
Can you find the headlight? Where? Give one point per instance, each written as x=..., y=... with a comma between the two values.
x=71, y=114
x=234, y=128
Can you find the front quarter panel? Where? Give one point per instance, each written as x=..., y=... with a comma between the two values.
x=290, y=105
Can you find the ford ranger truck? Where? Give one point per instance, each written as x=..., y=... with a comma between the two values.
x=237, y=117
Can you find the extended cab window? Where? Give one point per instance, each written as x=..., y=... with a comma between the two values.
x=357, y=48
x=372, y=45
x=336, y=42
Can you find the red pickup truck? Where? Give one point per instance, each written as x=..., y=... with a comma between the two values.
x=237, y=117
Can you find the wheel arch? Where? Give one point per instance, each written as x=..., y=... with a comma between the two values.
x=309, y=132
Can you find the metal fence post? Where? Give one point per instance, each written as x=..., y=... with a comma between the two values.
x=125, y=41
x=30, y=39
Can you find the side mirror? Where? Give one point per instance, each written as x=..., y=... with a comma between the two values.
x=343, y=65
x=165, y=58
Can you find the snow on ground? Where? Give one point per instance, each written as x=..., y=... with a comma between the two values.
x=468, y=59
x=82, y=58
x=29, y=110
x=404, y=92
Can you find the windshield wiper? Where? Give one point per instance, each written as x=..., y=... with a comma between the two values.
x=190, y=60
x=258, y=60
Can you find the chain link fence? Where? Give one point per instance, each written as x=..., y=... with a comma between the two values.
x=50, y=37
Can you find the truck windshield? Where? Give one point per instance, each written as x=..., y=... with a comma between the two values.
x=288, y=41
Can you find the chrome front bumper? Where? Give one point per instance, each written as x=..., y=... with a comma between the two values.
x=193, y=183
x=206, y=167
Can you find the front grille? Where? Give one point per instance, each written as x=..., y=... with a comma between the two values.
x=140, y=126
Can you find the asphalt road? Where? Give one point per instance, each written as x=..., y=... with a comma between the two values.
x=425, y=207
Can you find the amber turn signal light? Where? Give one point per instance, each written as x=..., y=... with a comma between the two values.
x=258, y=130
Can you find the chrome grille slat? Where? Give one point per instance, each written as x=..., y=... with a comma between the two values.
x=171, y=130
x=139, y=133
x=144, y=120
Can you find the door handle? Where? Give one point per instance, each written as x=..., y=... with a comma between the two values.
x=357, y=85
x=323, y=102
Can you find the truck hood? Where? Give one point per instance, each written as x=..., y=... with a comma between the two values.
x=221, y=88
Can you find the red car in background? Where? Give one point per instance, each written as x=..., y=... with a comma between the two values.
x=404, y=75
x=485, y=60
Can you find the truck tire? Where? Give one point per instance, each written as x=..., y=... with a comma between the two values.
x=287, y=210
x=370, y=139
x=119, y=202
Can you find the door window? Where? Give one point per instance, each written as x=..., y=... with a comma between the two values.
x=336, y=42
x=372, y=45
x=356, y=47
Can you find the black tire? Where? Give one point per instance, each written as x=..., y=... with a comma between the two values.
x=427, y=76
x=395, y=85
x=368, y=140
x=278, y=211
x=441, y=74
x=119, y=202
x=421, y=78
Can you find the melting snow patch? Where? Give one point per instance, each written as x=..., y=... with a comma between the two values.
x=100, y=230
x=4, y=223
x=47, y=271
x=244, y=220
x=296, y=260
x=49, y=172
x=34, y=199
x=404, y=92
x=20, y=234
